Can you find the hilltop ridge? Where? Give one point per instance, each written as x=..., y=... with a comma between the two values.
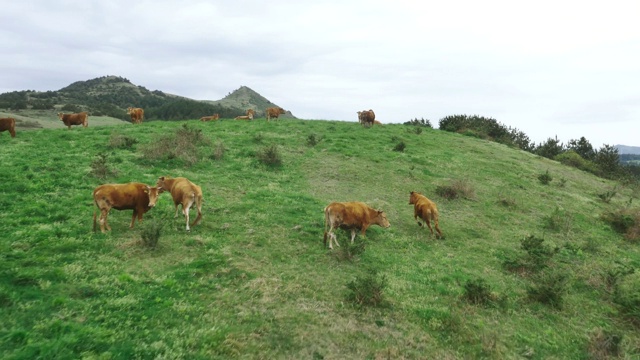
x=109, y=96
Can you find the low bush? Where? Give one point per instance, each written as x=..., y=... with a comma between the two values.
x=100, y=168
x=624, y=221
x=478, y=292
x=367, y=290
x=400, y=146
x=545, y=178
x=457, y=189
x=150, y=234
x=558, y=220
x=608, y=194
x=218, y=151
x=270, y=156
x=349, y=251
x=313, y=139
x=183, y=145
x=538, y=256
x=119, y=141
x=548, y=288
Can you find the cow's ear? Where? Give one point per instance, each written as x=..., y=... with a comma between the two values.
x=146, y=191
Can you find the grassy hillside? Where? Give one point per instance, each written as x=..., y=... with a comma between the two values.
x=253, y=279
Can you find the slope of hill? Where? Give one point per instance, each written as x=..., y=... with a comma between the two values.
x=109, y=96
x=631, y=150
x=245, y=98
x=253, y=279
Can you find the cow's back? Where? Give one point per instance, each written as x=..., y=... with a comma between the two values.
x=121, y=196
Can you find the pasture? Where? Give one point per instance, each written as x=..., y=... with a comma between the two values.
x=253, y=279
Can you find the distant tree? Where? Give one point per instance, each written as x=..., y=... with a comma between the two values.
x=19, y=105
x=550, y=148
x=582, y=147
x=421, y=122
x=607, y=160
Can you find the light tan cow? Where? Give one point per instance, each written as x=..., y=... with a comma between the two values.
x=183, y=192
x=426, y=210
x=352, y=216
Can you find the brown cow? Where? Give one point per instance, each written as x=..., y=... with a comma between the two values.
x=274, y=112
x=137, y=115
x=210, y=118
x=366, y=117
x=426, y=210
x=8, y=124
x=131, y=196
x=183, y=192
x=351, y=216
x=75, y=119
x=251, y=112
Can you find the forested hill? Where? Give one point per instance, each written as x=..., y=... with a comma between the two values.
x=111, y=95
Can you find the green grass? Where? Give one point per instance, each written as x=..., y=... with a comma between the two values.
x=253, y=279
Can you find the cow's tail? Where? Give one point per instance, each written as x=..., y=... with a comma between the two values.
x=94, y=222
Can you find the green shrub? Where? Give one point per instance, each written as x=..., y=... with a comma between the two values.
x=573, y=159
x=313, y=139
x=608, y=195
x=183, y=145
x=270, y=156
x=548, y=289
x=545, y=178
x=349, y=251
x=627, y=297
x=478, y=292
x=367, y=290
x=400, y=146
x=538, y=256
x=150, y=234
x=100, y=168
x=558, y=220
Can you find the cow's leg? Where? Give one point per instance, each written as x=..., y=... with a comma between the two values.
x=176, y=204
x=133, y=218
x=185, y=209
x=353, y=235
x=103, y=220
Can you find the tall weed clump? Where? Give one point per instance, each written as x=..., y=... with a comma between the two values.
x=538, y=256
x=150, y=234
x=457, y=189
x=119, y=141
x=478, y=292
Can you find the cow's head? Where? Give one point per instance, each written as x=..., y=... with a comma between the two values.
x=153, y=193
x=413, y=197
x=60, y=115
x=160, y=182
x=382, y=219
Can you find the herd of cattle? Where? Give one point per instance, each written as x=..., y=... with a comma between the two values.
x=141, y=198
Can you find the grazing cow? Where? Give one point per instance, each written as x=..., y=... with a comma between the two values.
x=274, y=112
x=366, y=117
x=210, y=118
x=426, y=210
x=376, y=122
x=183, y=192
x=351, y=216
x=8, y=124
x=131, y=196
x=75, y=119
x=137, y=115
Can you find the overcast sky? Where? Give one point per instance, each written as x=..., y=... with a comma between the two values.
x=565, y=68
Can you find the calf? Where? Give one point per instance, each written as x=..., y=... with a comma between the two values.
x=183, y=192
x=366, y=117
x=350, y=216
x=8, y=124
x=247, y=117
x=131, y=196
x=75, y=119
x=426, y=210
